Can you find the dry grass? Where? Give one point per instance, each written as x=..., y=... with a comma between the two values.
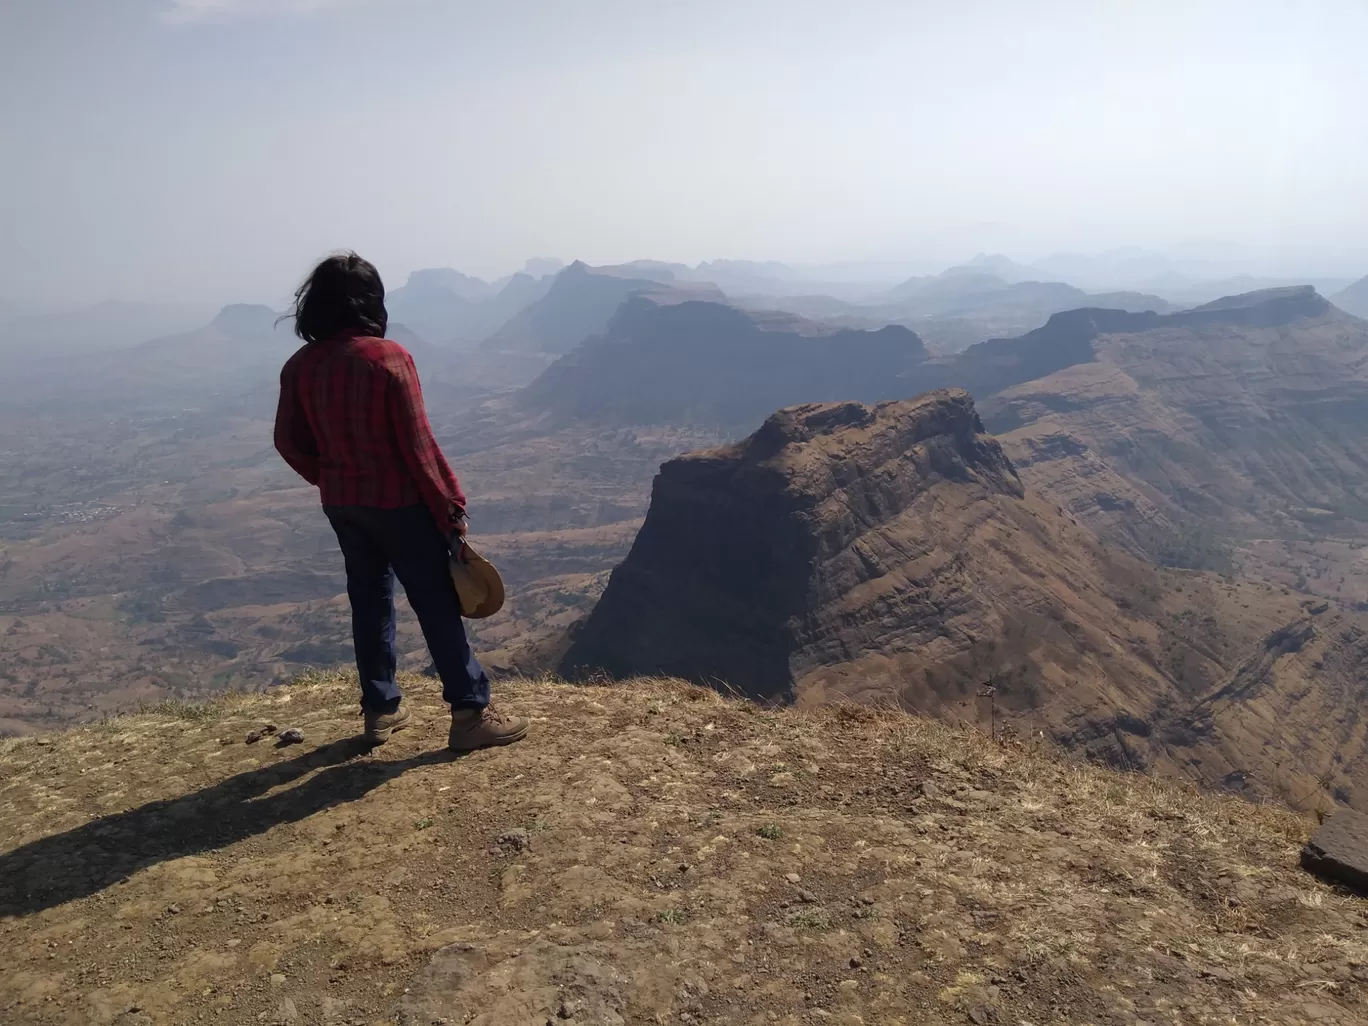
x=940, y=873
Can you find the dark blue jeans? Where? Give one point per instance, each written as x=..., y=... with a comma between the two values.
x=378, y=545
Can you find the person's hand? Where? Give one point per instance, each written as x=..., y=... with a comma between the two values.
x=457, y=534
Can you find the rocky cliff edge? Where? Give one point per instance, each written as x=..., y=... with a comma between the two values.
x=652, y=853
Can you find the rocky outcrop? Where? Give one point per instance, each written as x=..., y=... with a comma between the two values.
x=246, y=320
x=748, y=552
x=837, y=536
x=1338, y=851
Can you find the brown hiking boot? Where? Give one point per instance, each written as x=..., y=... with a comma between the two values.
x=484, y=728
x=379, y=726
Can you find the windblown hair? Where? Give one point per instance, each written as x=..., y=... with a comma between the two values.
x=343, y=296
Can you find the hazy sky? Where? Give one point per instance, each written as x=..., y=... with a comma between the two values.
x=210, y=149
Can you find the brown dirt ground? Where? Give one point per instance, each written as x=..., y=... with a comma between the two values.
x=653, y=853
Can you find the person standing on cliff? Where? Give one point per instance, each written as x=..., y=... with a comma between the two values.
x=351, y=421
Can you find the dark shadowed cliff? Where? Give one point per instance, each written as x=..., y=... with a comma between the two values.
x=744, y=546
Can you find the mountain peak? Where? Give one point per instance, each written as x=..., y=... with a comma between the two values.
x=847, y=424
x=754, y=558
x=1290, y=300
x=446, y=279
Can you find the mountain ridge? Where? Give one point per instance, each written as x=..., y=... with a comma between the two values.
x=580, y=303
x=1233, y=414
x=892, y=553
x=651, y=363
x=1354, y=299
x=670, y=357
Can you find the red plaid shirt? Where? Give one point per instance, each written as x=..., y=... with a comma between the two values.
x=351, y=421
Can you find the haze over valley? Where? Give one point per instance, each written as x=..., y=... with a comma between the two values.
x=618, y=252
x=1200, y=464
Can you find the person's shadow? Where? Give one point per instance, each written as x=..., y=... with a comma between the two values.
x=87, y=859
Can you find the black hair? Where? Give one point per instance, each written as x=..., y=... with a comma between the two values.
x=342, y=296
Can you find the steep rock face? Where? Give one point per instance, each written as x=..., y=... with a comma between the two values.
x=744, y=546
x=885, y=552
x=663, y=360
x=890, y=554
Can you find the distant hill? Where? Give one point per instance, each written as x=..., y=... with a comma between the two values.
x=1131, y=270
x=103, y=326
x=649, y=270
x=431, y=306
x=999, y=266
x=1354, y=299
x=973, y=290
x=1126, y=268
x=243, y=341
x=516, y=295
x=542, y=267
x=1246, y=415
x=1206, y=290
x=1132, y=302
x=446, y=279
x=239, y=352
x=758, y=270
x=579, y=303
x=451, y=309
x=663, y=360
x=1069, y=338
x=738, y=278
x=249, y=321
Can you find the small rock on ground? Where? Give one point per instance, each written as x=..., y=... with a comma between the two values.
x=1338, y=850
